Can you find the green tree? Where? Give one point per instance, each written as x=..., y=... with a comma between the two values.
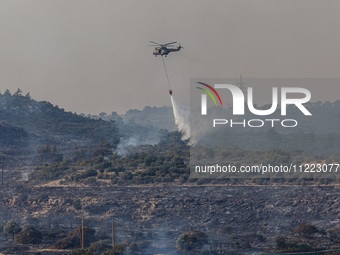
x=12, y=228
x=7, y=93
x=44, y=152
x=104, y=150
x=73, y=239
x=29, y=235
x=191, y=241
x=49, y=153
x=306, y=230
x=119, y=250
x=18, y=92
x=28, y=95
x=281, y=242
x=102, y=114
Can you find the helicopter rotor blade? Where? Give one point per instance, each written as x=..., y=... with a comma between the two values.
x=155, y=43
x=169, y=43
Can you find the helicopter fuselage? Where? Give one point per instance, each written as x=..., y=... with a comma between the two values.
x=164, y=51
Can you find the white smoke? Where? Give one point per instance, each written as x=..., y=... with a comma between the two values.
x=26, y=171
x=24, y=176
x=201, y=128
x=182, y=119
x=126, y=145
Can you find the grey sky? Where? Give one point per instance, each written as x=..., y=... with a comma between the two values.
x=91, y=56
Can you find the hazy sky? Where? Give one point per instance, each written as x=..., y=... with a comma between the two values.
x=91, y=56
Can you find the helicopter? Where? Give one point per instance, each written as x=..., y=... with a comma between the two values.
x=163, y=50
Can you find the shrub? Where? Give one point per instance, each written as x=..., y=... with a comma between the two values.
x=73, y=239
x=281, y=242
x=77, y=204
x=11, y=228
x=191, y=240
x=306, y=230
x=119, y=250
x=29, y=235
x=98, y=248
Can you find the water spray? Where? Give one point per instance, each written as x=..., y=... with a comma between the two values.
x=182, y=121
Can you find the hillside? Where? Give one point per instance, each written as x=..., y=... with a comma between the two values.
x=49, y=123
x=139, y=175
x=157, y=117
x=10, y=135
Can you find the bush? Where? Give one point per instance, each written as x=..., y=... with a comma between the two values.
x=119, y=250
x=77, y=204
x=87, y=174
x=281, y=242
x=73, y=239
x=306, y=230
x=29, y=235
x=227, y=229
x=90, y=173
x=11, y=228
x=334, y=234
x=98, y=248
x=191, y=240
x=126, y=176
x=43, y=197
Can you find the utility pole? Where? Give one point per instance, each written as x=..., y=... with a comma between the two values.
x=82, y=231
x=2, y=172
x=174, y=152
x=113, y=235
x=2, y=156
x=80, y=235
x=242, y=87
x=174, y=146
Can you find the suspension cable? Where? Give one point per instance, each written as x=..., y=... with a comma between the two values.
x=166, y=72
